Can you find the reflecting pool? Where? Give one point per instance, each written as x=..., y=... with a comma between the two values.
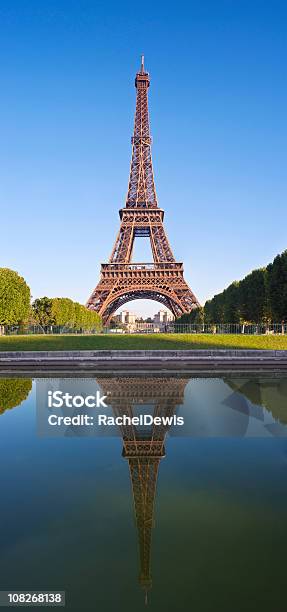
x=166, y=518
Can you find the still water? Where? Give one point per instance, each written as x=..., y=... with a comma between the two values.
x=193, y=519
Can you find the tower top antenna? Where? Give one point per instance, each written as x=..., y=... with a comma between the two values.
x=142, y=64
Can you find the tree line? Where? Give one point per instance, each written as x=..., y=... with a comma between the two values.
x=64, y=312
x=16, y=307
x=260, y=297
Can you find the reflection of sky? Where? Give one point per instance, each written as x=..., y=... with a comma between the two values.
x=211, y=408
x=206, y=412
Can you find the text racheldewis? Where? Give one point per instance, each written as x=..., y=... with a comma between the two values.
x=141, y=420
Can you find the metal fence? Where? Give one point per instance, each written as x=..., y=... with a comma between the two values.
x=228, y=328
x=26, y=330
x=210, y=328
x=173, y=328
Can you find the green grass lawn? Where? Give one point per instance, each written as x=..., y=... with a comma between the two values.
x=140, y=341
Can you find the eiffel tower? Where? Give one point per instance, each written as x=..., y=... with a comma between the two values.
x=144, y=449
x=121, y=280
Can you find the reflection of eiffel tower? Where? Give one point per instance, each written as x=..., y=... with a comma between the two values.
x=144, y=448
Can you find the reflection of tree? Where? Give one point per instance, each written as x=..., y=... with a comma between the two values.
x=271, y=393
x=144, y=447
x=13, y=391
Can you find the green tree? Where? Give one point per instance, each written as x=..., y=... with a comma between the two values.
x=253, y=296
x=259, y=297
x=13, y=391
x=231, y=304
x=42, y=311
x=63, y=312
x=14, y=298
x=277, y=287
x=79, y=316
x=196, y=315
x=93, y=320
x=199, y=315
x=214, y=309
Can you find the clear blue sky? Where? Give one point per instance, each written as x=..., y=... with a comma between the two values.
x=218, y=118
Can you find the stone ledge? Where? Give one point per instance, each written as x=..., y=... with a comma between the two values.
x=137, y=360
x=103, y=355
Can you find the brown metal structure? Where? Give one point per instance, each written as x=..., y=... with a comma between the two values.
x=121, y=280
x=144, y=449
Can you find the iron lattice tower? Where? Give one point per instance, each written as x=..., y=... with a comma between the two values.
x=121, y=280
x=144, y=449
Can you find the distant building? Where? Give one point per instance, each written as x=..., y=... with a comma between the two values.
x=163, y=316
x=145, y=326
x=126, y=318
x=131, y=323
